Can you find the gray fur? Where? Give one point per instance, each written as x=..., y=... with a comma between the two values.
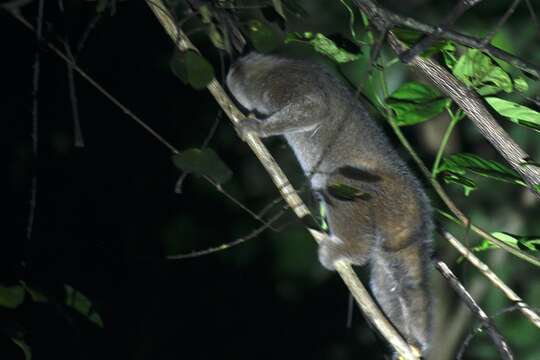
x=336, y=142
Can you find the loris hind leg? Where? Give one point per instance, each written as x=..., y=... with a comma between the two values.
x=352, y=232
x=400, y=285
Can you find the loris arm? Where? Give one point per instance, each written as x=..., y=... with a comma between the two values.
x=301, y=114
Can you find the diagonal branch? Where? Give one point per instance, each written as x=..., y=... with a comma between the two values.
x=459, y=9
x=393, y=19
x=495, y=280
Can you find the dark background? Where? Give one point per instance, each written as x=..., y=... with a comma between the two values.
x=107, y=214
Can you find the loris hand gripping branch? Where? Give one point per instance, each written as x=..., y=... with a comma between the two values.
x=336, y=142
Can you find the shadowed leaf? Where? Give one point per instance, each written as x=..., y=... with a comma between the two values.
x=11, y=296
x=204, y=162
x=82, y=305
x=192, y=69
x=263, y=38
x=464, y=162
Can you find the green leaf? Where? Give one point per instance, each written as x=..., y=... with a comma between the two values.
x=82, y=305
x=414, y=102
x=294, y=8
x=204, y=162
x=322, y=213
x=11, y=296
x=468, y=185
x=212, y=30
x=192, y=69
x=528, y=243
x=278, y=6
x=463, y=163
x=416, y=92
x=477, y=70
x=517, y=113
x=324, y=45
x=520, y=84
x=24, y=347
x=345, y=192
x=263, y=38
x=101, y=6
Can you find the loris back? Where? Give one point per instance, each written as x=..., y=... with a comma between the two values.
x=388, y=225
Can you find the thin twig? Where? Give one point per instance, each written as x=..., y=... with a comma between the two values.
x=35, y=117
x=459, y=9
x=238, y=203
x=477, y=330
x=78, y=139
x=496, y=337
x=500, y=23
x=288, y=192
x=231, y=244
x=495, y=280
x=533, y=16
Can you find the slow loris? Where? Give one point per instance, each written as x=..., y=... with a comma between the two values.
x=387, y=226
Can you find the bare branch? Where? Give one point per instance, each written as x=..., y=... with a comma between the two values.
x=476, y=331
x=459, y=9
x=495, y=280
x=500, y=23
x=231, y=244
x=496, y=337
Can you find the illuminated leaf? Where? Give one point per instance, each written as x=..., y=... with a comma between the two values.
x=478, y=71
x=414, y=102
x=516, y=113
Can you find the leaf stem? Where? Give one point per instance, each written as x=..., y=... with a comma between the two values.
x=454, y=119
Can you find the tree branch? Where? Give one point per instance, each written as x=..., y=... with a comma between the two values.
x=495, y=280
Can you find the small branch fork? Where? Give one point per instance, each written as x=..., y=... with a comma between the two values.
x=498, y=340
